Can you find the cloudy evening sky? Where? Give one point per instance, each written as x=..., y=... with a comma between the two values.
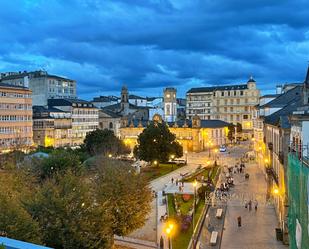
x=151, y=44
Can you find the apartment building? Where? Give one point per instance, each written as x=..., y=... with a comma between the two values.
x=15, y=117
x=232, y=103
x=51, y=127
x=85, y=117
x=43, y=85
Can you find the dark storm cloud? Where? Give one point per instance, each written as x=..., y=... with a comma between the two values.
x=151, y=44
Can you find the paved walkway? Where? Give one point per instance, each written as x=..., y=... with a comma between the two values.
x=258, y=227
x=152, y=230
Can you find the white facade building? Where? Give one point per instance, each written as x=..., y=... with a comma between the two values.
x=44, y=86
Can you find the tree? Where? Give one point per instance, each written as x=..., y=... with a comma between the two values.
x=104, y=142
x=58, y=161
x=66, y=209
x=156, y=142
x=15, y=221
x=128, y=194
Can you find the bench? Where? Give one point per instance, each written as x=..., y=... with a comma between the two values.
x=214, y=238
x=219, y=213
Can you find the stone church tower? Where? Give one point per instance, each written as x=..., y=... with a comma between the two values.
x=170, y=105
x=124, y=100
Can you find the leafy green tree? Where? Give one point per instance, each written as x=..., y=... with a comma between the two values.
x=104, y=142
x=15, y=221
x=156, y=142
x=58, y=161
x=128, y=194
x=69, y=215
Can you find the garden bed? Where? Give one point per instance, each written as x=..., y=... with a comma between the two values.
x=153, y=172
x=183, y=231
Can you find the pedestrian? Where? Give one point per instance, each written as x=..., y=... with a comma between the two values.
x=161, y=243
x=240, y=170
x=176, y=182
x=179, y=188
x=183, y=184
x=239, y=221
x=246, y=204
x=172, y=180
x=256, y=205
x=250, y=205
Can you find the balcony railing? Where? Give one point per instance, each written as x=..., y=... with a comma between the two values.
x=271, y=173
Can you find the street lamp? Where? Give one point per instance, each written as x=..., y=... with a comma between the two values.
x=155, y=162
x=186, y=153
x=194, y=206
x=168, y=231
x=209, y=144
x=275, y=191
x=110, y=155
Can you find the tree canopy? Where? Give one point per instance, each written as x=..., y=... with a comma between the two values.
x=104, y=142
x=156, y=142
x=72, y=206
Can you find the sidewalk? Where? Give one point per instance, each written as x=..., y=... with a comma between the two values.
x=258, y=227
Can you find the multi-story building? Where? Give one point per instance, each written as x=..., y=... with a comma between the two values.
x=44, y=86
x=103, y=101
x=298, y=173
x=15, y=117
x=52, y=127
x=232, y=103
x=85, y=117
x=194, y=135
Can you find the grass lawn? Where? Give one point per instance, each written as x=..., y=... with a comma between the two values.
x=205, y=173
x=153, y=172
x=181, y=240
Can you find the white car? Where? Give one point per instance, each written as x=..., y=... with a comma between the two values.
x=222, y=148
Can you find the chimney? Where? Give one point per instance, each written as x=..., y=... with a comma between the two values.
x=278, y=89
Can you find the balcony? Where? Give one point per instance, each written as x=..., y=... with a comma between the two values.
x=271, y=173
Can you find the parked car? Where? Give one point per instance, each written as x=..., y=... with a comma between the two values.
x=222, y=148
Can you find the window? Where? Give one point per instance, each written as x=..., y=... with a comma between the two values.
x=110, y=125
x=225, y=101
x=229, y=93
x=245, y=116
x=225, y=109
x=222, y=93
x=246, y=101
x=238, y=101
x=241, y=93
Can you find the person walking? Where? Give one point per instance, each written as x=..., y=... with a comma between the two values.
x=172, y=180
x=239, y=221
x=256, y=205
x=250, y=205
x=161, y=243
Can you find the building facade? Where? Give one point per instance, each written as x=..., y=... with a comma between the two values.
x=52, y=127
x=233, y=103
x=85, y=117
x=44, y=86
x=15, y=118
x=194, y=135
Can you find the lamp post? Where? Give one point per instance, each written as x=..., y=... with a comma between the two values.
x=194, y=207
x=155, y=162
x=186, y=153
x=168, y=231
x=110, y=155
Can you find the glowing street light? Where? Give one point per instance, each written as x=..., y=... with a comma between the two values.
x=110, y=155
x=266, y=160
x=155, y=162
x=194, y=207
x=275, y=191
x=168, y=232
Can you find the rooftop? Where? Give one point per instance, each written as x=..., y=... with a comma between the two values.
x=70, y=102
x=5, y=85
x=285, y=98
x=217, y=88
x=34, y=74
